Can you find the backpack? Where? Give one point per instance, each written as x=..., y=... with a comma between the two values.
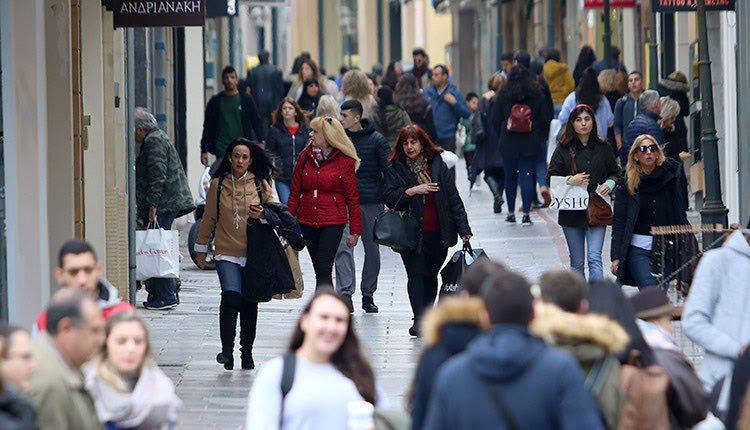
x=519, y=120
x=645, y=406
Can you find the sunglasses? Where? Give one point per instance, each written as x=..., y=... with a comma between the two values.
x=650, y=148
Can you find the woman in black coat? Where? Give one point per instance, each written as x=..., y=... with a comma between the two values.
x=649, y=194
x=286, y=139
x=675, y=142
x=485, y=137
x=419, y=182
x=675, y=86
x=520, y=148
x=596, y=168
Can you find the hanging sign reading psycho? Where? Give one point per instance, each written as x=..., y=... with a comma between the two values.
x=159, y=13
x=689, y=5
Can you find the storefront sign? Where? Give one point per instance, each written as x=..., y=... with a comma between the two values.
x=159, y=13
x=612, y=3
x=689, y=5
x=216, y=8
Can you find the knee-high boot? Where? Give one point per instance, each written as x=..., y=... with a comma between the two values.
x=497, y=192
x=229, y=308
x=248, y=325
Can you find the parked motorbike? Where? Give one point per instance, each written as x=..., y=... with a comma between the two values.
x=200, y=206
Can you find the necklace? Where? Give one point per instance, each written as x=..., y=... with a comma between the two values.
x=237, y=218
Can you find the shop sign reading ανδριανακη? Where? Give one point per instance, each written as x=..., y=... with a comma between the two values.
x=159, y=13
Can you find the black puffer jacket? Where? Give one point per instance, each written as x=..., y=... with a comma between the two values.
x=287, y=147
x=451, y=212
x=372, y=150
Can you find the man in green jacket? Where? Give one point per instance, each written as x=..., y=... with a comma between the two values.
x=161, y=191
x=75, y=333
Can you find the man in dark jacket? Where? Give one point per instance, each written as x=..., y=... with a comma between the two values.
x=645, y=123
x=508, y=378
x=626, y=108
x=162, y=192
x=266, y=86
x=229, y=115
x=373, y=150
x=448, y=105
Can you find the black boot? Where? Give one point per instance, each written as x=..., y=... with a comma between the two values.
x=497, y=192
x=368, y=304
x=248, y=324
x=228, y=311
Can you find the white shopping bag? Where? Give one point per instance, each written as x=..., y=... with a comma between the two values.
x=449, y=158
x=568, y=197
x=554, y=129
x=157, y=254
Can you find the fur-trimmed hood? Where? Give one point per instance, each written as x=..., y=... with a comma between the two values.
x=674, y=85
x=577, y=333
x=450, y=310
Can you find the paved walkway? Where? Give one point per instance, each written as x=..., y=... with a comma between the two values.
x=186, y=340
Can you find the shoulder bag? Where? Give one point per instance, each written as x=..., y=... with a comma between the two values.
x=397, y=230
x=598, y=212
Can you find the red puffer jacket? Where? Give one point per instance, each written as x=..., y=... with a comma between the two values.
x=321, y=196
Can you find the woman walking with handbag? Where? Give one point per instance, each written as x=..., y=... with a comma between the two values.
x=419, y=182
x=324, y=189
x=584, y=160
x=286, y=139
x=649, y=194
x=232, y=198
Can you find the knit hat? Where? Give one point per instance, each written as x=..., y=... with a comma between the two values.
x=651, y=303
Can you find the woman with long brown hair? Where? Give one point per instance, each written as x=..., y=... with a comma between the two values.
x=410, y=97
x=419, y=182
x=649, y=194
x=309, y=70
x=286, y=139
x=327, y=359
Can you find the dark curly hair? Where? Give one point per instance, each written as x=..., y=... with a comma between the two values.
x=261, y=166
x=586, y=58
x=408, y=95
x=520, y=86
x=588, y=91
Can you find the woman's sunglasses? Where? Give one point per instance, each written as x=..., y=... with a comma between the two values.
x=650, y=148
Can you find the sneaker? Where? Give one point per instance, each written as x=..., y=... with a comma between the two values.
x=510, y=219
x=348, y=300
x=160, y=305
x=368, y=304
x=526, y=221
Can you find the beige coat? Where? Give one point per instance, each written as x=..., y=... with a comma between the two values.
x=58, y=388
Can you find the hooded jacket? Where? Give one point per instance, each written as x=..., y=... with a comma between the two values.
x=542, y=387
x=448, y=329
x=588, y=338
x=372, y=150
x=287, y=147
x=559, y=79
x=391, y=123
x=715, y=315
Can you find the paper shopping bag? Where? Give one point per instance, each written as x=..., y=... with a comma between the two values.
x=157, y=254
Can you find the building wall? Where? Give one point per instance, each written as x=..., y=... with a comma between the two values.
x=743, y=93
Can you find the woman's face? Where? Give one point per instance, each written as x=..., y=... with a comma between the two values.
x=288, y=112
x=126, y=346
x=397, y=68
x=317, y=140
x=583, y=123
x=312, y=90
x=667, y=123
x=306, y=71
x=646, y=154
x=412, y=148
x=326, y=325
x=240, y=159
x=19, y=365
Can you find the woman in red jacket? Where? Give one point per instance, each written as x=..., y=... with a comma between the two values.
x=324, y=188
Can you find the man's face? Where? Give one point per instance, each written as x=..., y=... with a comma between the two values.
x=140, y=134
x=86, y=340
x=80, y=270
x=230, y=81
x=506, y=65
x=635, y=83
x=348, y=119
x=419, y=60
x=438, y=77
x=657, y=107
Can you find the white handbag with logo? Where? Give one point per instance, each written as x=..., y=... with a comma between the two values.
x=568, y=197
x=157, y=253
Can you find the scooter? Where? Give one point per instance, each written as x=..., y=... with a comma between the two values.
x=200, y=206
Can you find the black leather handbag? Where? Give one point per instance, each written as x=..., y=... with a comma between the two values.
x=396, y=230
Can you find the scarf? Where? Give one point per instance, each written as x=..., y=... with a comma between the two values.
x=320, y=156
x=420, y=169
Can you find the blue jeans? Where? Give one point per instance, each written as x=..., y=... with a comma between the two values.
x=230, y=276
x=163, y=288
x=283, y=191
x=639, y=265
x=521, y=170
x=540, y=169
x=586, y=242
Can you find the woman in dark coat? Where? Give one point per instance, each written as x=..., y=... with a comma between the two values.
x=487, y=140
x=675, y=143
x=286, y=139
x=419, y=182
x=597, y=169
x=389, y=118
x=649, y=194
x=586, y=58
x=675, y=86
x=409, y=96
x=520, y=149
x=308, y=101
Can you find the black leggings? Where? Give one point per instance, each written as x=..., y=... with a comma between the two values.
x=422, y=271
x=322, y=243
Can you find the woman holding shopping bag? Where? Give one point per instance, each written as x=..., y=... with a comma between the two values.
x=595, y=168
x=231, y=199
x=419, y=182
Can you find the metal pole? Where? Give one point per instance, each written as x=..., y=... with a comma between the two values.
x=653, y=54
x=380, y=31
x=550, y=24
x=321, y=34
x=713, y=212
x=230, y=20
x=607, y=36
x=499, y=41
x=131, y=163
x=160, y=78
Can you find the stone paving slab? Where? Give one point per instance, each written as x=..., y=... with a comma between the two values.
x=185, y=340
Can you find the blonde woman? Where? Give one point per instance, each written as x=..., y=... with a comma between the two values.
x=647, y=195
x=675, y=142
x=324, y=189
x=327, y=106
x=129, y=389
x=356, y=86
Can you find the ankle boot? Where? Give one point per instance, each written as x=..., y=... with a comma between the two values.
x=228, y=311
x=248, y=325
x=497, y=192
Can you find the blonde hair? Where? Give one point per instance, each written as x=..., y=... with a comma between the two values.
x=334, y=134
x=607, y=80
x=327, y=106
x=105, y=369
x=355, y=85
x=633, y=170
x=669, y=109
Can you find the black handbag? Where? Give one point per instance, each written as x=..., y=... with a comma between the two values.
x=457, y=266
x=396, y=230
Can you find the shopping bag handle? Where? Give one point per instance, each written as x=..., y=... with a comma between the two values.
x=155, y=223
x=467, y=247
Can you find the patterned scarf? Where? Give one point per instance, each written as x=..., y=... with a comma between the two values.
x=420, y=170
x=320, y=156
